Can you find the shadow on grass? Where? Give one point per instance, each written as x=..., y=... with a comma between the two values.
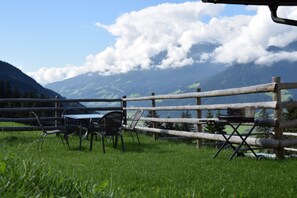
x=130, y=147
x=18, y=139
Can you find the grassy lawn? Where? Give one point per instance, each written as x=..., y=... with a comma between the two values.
x=151, y=169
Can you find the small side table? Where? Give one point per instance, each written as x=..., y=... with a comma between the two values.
x=235, y=122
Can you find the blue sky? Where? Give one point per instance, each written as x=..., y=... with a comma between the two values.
x=54, y=33
x=73, y=33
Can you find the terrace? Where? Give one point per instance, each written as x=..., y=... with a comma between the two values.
x=156, y=166
x=278, y=141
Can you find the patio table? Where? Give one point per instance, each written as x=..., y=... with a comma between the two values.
x=81, y=118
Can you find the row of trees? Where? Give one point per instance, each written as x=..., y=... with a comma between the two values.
x=7, y=91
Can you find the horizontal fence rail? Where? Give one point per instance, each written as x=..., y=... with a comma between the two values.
x=53, y=100
x=260, y=122
x=28, y=109
x=266, y=105
x=265, y=143
x=225, y=92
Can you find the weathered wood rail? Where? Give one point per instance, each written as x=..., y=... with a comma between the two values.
x=151, y=103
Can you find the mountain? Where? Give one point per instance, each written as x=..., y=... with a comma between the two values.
x=141, y=82
x=207, y=75
x=248, y=75
x=24, y=84
x=133, y=83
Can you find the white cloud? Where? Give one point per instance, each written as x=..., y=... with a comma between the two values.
x=174, y=28
x=144, y=34
x=46, y=75
x=250, y=44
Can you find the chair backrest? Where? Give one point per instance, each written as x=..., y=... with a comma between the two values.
x=111, y=123
x=39, y=121
x=135, y=119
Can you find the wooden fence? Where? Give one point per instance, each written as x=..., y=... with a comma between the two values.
x=49, y=109
x=279, y=142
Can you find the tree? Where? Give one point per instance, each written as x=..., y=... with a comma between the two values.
x=8, y=92
x=263, y=114
x=167, y=125
x=184, y=126
x=149, y=123
x=1, y=93
x=210, y=128
x=2, y=89
x=291, y=114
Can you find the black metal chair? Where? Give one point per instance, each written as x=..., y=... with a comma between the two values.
x=134, y=120
x=110, y=125
x=45, y=132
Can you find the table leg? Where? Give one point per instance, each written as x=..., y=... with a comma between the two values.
x=80, y=135
x=244, y=142
x=227, y=141
x=91, y=143
x=66, y=132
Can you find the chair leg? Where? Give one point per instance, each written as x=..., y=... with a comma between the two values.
x=116, y=141
x=62, y=139
x=103, y=146
x=137, y=137
x=123, y=145
x=132, y=135
x=67, y=142
x=65, y=137
x=41, y=141
x=91, y=141
x=131, y=132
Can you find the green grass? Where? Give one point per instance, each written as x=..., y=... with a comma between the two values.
x=152, y=169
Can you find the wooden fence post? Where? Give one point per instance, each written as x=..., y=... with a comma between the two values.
x=124, y=105
x=199, y=115
x=279, y=152
x=154, y=115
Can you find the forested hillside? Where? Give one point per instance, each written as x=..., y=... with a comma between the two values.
x=14, y=83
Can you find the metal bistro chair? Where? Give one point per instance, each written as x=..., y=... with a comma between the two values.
x=48, y=132
x=134, y=120
x=110, y=125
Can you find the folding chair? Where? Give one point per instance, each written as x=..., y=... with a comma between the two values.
x=48, y=132
x=134, y=120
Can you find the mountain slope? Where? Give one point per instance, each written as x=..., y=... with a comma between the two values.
x=24, y=83
x=248, y=75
